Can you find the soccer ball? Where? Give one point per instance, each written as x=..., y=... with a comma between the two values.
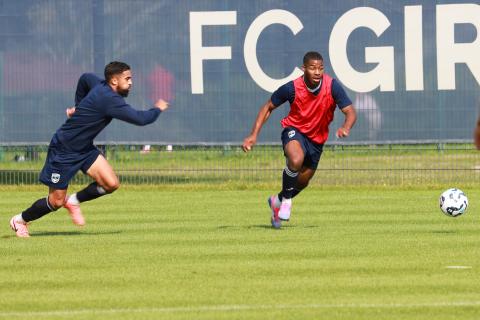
x=453, y=202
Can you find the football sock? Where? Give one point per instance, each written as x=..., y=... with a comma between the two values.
x=92, y=191
x=18, y=218
x=73, y=199
x=289, y=180
x=294, y=194
x=38, y=209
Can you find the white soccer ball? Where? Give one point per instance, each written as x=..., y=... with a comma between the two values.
x=453, y=202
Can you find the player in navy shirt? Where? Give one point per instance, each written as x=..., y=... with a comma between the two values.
x=313, y=98
x=71, y=149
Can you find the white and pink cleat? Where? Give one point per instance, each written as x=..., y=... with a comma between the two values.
x=20, y=228
x=285, y=210
x=75, y=213
x=274, y=205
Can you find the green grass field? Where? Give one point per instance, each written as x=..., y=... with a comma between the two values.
x=206, y=253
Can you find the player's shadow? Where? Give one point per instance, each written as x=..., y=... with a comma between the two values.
x=443, y=231
x=71, y=233
x=257, y=226
x=268, y=226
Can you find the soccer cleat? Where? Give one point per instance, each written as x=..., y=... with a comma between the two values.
x=285, y=210
x=276, y=223
x=20, y=228
x=75, y=213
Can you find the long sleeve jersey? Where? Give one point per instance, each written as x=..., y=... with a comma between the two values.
x=96, y=105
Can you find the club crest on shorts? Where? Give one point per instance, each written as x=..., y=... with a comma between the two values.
x=55, y=177
x=291, y=133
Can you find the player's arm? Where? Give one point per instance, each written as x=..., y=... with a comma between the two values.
x=281, y=95
x=262, y=117
x=350, y=119
x=86, y=82
x=345, y=105
x=119, y=109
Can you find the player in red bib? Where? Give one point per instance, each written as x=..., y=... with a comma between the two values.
x=313, y=99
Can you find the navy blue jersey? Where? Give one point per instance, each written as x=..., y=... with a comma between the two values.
x=287, y=93
x=86, y=82
x=96, y=105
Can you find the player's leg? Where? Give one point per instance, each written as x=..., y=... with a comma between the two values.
x=281, y=204
x=56, y=173
x=41, y=207
x=304, y=177
x=310, y=164
x=106, y=181
x=294, y=153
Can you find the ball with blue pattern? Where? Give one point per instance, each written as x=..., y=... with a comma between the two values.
x=453, y=202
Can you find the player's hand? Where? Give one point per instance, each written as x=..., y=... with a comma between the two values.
x=342, y=132
x=70, y=112
x=248, y=143
x=161, y=104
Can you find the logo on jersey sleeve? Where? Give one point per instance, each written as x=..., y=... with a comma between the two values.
x=291, y=134
x=55, y=177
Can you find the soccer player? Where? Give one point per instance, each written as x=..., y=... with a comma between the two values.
x=313, y=98
x=71, y=149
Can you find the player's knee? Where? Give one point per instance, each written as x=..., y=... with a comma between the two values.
x=56, y=203
x=111, y=186
x=295, y=163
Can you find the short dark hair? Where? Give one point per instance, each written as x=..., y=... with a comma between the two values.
x=311, y=55
x=114, y=68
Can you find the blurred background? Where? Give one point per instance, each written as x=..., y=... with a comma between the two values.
x=402, y=136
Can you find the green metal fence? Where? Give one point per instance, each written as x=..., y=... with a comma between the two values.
x=431, y=164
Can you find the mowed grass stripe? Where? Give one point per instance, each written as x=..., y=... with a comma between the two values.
x=347, y=253
x=233, y=308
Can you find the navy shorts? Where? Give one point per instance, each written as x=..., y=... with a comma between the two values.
x=62, y=164
x=311, y=151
